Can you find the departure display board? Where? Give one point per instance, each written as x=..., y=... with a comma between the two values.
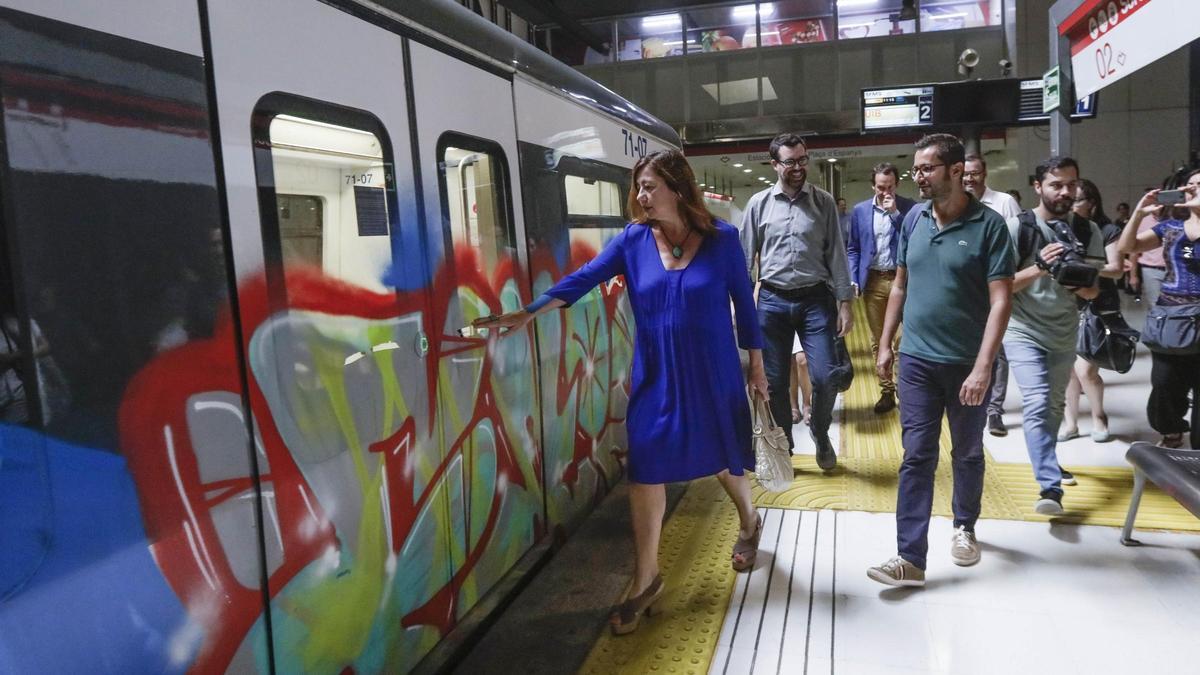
x=1030, y=109
x=897, y=108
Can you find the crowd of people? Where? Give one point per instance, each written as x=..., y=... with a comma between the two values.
x=958, y=289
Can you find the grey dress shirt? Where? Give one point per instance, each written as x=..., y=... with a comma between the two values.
x=798, y=242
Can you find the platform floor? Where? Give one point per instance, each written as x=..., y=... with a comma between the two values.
x=1058, y=596
x=1044, y=598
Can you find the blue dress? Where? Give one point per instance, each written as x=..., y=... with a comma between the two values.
x=688, y=415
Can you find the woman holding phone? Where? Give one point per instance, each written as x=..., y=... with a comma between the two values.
x=1173, y=375
x=688, y=415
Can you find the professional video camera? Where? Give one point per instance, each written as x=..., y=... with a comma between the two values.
x=1070, y=269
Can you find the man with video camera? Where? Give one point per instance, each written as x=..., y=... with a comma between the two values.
x=1054, y=249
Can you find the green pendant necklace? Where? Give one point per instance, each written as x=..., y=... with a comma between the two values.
x=676, y=249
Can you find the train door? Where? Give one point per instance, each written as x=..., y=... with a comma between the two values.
x=127, y=492
x=333, y=285
x=487, y=394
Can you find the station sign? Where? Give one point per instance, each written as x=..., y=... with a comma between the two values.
x=995, y=102
x=1112, y=38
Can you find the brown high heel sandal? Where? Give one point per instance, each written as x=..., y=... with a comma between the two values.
x=746, y=549
x=626, y=617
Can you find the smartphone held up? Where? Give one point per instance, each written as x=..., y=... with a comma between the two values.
x=1171, y=197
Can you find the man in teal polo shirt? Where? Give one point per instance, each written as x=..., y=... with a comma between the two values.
x=955, y=262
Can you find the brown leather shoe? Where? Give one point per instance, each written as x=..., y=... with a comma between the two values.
x=626, y=617
x=886, y=402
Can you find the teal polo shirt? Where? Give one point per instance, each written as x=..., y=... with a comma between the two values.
x=948, y=270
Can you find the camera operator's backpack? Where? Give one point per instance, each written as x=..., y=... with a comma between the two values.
x=1030, y=238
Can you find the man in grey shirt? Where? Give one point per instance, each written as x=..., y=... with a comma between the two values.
x=791, y=231
x=1040, y=339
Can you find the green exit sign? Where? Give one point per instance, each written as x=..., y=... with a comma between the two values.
x=1051, y=90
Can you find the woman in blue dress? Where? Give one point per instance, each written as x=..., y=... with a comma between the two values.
x=688, y=415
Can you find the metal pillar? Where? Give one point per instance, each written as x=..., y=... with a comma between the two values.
x=1060, y=55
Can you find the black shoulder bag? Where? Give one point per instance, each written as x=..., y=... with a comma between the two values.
x=1173, y=329
x=1106, y=340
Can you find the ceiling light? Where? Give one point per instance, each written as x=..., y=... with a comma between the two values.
x=746, y=12
x=747, y=170
x=661, y=21
x=737, y=166
x=831, y=160
x=856, y=3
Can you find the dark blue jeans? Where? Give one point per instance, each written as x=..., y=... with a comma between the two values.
x=927, y=390
x=814, y=318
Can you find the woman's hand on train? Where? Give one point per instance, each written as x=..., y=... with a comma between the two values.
x=505, y=323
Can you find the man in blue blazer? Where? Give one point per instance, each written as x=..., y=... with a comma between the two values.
x=871, y=247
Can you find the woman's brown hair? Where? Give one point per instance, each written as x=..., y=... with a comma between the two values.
x=677, y=176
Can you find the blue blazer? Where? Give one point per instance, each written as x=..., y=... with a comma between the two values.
x=860, y=247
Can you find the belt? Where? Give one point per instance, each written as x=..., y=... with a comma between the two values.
x=1156, y=267
x=797, y=294
x=887, y=274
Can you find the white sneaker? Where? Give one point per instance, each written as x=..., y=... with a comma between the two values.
x=897, y=572
x=964, y=550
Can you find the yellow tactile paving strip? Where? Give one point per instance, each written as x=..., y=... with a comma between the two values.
x=694, y=560
x=696, y=539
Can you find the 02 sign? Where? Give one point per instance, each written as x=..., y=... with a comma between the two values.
x=1113, y=38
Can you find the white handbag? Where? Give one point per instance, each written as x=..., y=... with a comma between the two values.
x=772, y=460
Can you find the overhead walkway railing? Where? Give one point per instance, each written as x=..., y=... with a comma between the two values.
x=743, y=71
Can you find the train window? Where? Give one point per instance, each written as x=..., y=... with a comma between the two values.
x=475, y=201
x=592, y=197
x=593, y=193
x=332, y=201
x=301, y=228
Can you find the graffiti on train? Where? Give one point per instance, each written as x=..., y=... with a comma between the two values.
x=401, y=465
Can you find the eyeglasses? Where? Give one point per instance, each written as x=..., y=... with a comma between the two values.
x=798, y=161
x=972, y=174
x=925, y=170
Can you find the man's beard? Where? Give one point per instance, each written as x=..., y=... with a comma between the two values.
x=1049, y=205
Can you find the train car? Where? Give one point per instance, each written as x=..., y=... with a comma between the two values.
x=241, y=431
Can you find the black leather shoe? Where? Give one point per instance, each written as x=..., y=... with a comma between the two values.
x=826, y=457
x=996, y=425
x=887, y=401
